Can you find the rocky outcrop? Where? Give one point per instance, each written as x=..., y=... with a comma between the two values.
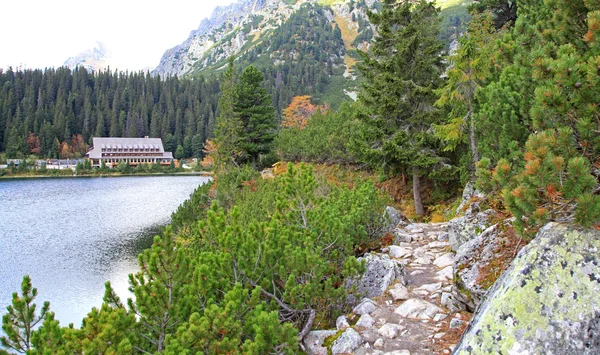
x=381, y=272
x=469, y=226
x=546, y=302
x=479, y=263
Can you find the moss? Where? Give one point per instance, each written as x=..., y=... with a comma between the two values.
x=328, y=342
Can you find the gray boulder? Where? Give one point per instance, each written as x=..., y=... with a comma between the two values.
x=347, y=342
x=469, y=193
x=467, y=227
x=313, y=341
x=478, y=265
x=395, y=218
x=381, y=272
x=547, y=301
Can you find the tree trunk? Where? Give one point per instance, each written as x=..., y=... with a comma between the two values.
x=417, y=192
x=474, y=152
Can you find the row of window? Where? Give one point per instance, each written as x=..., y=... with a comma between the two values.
x=131, y=155
x=115, y=150
x=116, y=161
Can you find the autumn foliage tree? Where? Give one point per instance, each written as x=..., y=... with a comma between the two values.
x=298, y=112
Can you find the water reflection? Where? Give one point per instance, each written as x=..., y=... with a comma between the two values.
x=72, y=235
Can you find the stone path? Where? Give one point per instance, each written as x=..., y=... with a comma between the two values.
x=408, y=319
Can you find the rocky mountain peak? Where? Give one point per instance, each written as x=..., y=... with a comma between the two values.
x=93, y=59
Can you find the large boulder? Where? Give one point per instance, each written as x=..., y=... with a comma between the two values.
x=380, y=273
x=469, y=226
x=547, y=301
x=395, y=218
x=480, y=261
x=347, y=342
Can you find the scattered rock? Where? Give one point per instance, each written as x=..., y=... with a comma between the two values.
x=456, y=323
x=347, y=342
x=380, y=273
x=417, y=272
x=341, y=323
x=429, y=288
x=378, y=343
x=402, y=237
x=399, y=252
x=389, y=330
x=366, y=306
x=546, y=302
x=399, y=292
x=444, y=260
x=446, y=273
x=365, y=321
x=438, y=245
x=418, y=308
x=440, y=316
x=313, y=341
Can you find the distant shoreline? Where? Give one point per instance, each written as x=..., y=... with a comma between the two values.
x=199, y=173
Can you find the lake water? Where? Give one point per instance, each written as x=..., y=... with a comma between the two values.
x=71, y=235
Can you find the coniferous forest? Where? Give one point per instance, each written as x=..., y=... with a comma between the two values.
x=250, y=265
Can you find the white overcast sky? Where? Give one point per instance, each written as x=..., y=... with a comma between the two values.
x=45, y=33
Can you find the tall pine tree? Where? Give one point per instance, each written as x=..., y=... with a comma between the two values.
x=402, y=72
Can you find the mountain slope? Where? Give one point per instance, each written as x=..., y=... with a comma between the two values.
x=95, y=59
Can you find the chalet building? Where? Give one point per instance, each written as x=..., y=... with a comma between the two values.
x=133, y=151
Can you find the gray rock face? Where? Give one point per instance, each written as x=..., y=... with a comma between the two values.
x=547, y=301
x=471, y=259
x=313, y=341
x=366, y=306
x=381, y=272
x=395, y=217
x=347, y=342
x=467, y=227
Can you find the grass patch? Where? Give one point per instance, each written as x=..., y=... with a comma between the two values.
x=349, y=33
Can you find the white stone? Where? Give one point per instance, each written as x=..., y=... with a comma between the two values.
x=366, y=306
x=378, y=343
x=418, y=309
x=399, y=292
x=446, y=273
x=430, y=287
x=444, y=260
x=438, y=244
x=439, y=335
x=424, y=260
x=399, y=252
x=440, y=316
x=389, y=330
x=416, y=272
x=365, y=321
x=341, y=323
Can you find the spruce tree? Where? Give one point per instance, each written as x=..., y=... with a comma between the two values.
x=402, y=72
x=256, y=113
x=228, y=131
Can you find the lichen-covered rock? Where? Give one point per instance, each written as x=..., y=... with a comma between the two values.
x=395, y=218
x=347, y=342
x=313, y=341
x=380, y=273
x=479, y=263
x=366, y=306
x=467, y=227
x=547, y=302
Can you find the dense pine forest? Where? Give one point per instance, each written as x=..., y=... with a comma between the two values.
x=251, y=264
x=55, y=112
